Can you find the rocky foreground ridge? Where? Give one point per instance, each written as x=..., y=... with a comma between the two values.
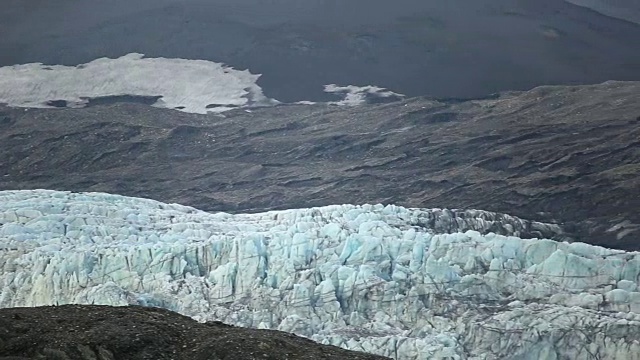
x=91, y=332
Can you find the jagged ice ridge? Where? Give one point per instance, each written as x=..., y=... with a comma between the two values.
x=406, y=283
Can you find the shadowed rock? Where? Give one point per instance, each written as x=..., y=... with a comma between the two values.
x=454, y=48
x=86, y=332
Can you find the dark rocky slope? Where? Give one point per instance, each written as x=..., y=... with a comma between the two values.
x=555, y=154
x=87, y=332
x=453, y=48
x=628, y=10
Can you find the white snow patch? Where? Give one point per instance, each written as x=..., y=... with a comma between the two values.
x=405, y=283
x=185, y=85
x=357, y=95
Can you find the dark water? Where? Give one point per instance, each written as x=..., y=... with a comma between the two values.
x=58, y=103
x=106, y=100
x=444, y=49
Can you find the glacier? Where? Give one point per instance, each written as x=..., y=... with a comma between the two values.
x=404, y=283
x=196, y=86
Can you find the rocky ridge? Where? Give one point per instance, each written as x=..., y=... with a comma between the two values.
x=91, y=332
x=563, y=154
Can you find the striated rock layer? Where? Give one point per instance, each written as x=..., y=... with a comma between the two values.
x=404, y=283
x=562, y=154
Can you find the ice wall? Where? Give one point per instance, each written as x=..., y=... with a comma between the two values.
x=386, y=280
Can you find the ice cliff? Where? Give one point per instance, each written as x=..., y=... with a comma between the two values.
x=406, y=283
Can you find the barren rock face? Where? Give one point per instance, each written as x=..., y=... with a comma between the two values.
x=86, y=332
x=567, y=155
x=628, y=10
x=456, y=48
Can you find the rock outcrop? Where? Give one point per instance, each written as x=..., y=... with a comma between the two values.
x=565, y=155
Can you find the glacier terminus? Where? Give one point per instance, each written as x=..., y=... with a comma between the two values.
x=401, y=282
